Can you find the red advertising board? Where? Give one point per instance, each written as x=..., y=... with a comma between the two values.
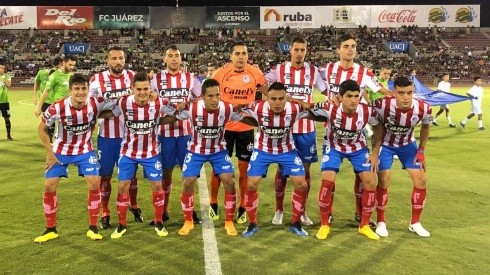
x=65, y=17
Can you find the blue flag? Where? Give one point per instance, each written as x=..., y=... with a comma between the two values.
x=435, y=98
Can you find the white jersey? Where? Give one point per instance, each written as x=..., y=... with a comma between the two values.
x=105, y=85
x=335, y=75
x=344, y=131
x=140, y=137
x=399, y=124
x=75, y=126
x=208, y=128
x=444, y=86
x=299, y=85
x=476, y=91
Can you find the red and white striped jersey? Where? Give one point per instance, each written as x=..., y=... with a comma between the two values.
x=208, y=128
x=274, y=133
x=140, y=137
x=105, y=85
x=335, y=75
x=176, y=88
x=398, y=124
x=75, y=126
x=299, y=84
x=344, y=132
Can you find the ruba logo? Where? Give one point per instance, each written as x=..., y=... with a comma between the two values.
x=274, y=15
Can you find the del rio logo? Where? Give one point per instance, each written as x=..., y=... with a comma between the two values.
x=66, y=17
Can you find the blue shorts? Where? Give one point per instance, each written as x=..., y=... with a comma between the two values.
x=290, y=163
x=87, y=165
x=332, y=159
x=173, y=151
x=152, y=168
x=406, y=154
x=108, y=150
x=306, y=146
x=220, y=161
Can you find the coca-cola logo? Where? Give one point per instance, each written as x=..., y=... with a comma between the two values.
x=403, y=16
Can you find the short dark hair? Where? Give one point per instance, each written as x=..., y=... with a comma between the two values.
x=344, y=38
x=208, y=83
x=348, y=85
x=77, y=79
x=171, y=47
x=236, y=44
x=298, y=39
x=69, y=58
x=444, y=74
x=277, y=86
x=403, y=81
x=140, y=77
x=57, y=61
x=203, y=69
x=114, y=48
x=476, y=78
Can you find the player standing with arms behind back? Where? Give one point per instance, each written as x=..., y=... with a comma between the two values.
x=5, y=83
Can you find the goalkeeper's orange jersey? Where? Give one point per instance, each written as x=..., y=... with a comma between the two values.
x=238, y=88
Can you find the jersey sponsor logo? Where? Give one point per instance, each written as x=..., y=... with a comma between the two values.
x=117, y=93
x=297, y=161
x=333, y=88
x=397, y=130
x=141, y=127
x=92, y=160
x=294, y=89
x=313, y=149
x=246, y=79
x=175, y=95
x=295, y=170
x=226, y=167
x=238, y=93
x=209, y=132
x=79, y=129
x=325, y=158
x=343, y=133
x=158, y=165
x=153, y=175
x=275, y=132
x=89, y=169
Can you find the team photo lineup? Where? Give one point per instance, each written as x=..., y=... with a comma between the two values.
x=304, y=118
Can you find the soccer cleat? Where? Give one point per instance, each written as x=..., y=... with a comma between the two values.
x=358, y=219
x=482, y=129
x=241, y=216
x=417, y=228
x=9, y=138
x=195, y=218
x=323, y=232
x=296, y=229
x=305, y=220
x=120, y=230
x=368, y=232
x=230, y=228
x=105, y=222
x=137, y=214
x=452, y=125
x=161, y=231
x=93, y=233
x=251, y=229
x=381, y=229
x=462, y=125
x=186, y=228
x=277, y=220
x=213, y=212
x=49, y=234
x=435, y=124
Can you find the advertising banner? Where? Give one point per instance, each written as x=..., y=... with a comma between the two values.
x=233, y=17
x=171, y=17
x=454, y=15
x=344, y=16
x=75, y=48
x=122, y=17
x=398, y=47
x=64, y=17
x=18, y=17
x=397, y=16
x=294, y=17
x=284, y=47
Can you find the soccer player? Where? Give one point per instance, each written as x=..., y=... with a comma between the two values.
x=203, y=74
x=208, y=118
x=239, y=82
x=57, y=85
x=345, y=69
x=274, y=144
x=112, y=84
x=382, y=78
x=140, y=146
x=5, y=83
x=299, y=78
x=399, y=115
x=76, y=116
x=344, y=139
x=177, y=87
x=476, y=95
x=444, y=86
x=42, y=78
x=211, y=69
